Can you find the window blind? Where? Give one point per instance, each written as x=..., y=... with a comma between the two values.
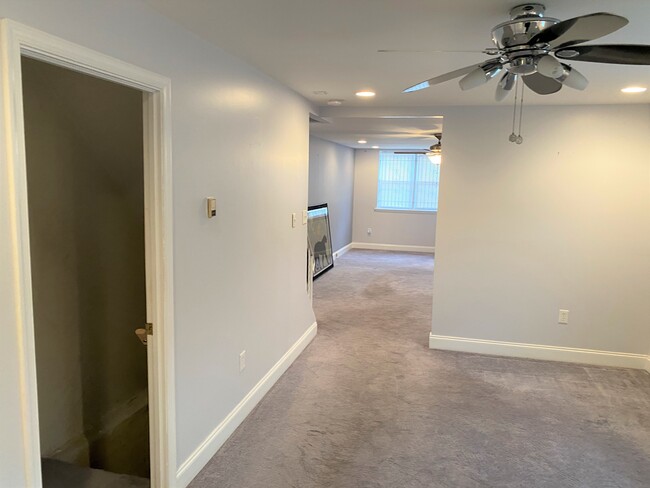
x=407, y=182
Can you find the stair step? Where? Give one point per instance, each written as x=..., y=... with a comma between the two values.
x=57, y=474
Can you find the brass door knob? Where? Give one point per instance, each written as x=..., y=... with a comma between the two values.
x=142, y=335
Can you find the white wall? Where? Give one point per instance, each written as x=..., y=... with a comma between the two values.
x=331, y=181
x=240, y=278
x=399, y=228
x=562, y=221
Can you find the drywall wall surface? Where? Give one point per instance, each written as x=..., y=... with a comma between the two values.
x=400, y=228
x=331, y=181
x=239, y=278
x=86, y=207
x=559, y=222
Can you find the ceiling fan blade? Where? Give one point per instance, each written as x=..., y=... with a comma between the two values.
x=542, y=84
x=441, y=79
x=608, y=53
x=489, y=51
x=506, y=83
x=410, y=152
x=579, y=29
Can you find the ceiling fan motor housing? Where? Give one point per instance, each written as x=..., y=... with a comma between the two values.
x=525, y=22
x=513, y=36
x=527, y=10
x=518, y=32
x=522, y=65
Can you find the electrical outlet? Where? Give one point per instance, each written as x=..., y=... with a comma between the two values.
x=242, y=361
x=294, y=219
x=564, y=317
x=369, y=230
x=304, y=217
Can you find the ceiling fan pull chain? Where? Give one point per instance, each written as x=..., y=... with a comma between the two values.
x=519, y=138
x=513, y=136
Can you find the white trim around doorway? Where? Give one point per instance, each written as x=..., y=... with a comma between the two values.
x=16, y=317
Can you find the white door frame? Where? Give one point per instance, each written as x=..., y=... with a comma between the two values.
x=16, y=316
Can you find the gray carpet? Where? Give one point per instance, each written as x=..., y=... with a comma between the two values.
x=369, y=405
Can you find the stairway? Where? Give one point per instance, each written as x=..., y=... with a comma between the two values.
x=57, y=474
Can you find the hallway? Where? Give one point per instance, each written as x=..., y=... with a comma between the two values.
x=369, y=405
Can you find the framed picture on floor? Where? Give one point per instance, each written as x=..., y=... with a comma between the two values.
x=320, y=238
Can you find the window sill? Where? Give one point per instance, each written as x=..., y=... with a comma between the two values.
x=405, y=210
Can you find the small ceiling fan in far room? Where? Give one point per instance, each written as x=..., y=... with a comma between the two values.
x=434, y=152
x=528, y=47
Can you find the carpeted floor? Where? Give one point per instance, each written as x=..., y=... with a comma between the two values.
x=369, y=405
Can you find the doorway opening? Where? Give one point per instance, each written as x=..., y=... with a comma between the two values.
x=85, y=182
x=22, y=380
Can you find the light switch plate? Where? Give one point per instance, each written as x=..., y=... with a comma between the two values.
x=563, y=317
x=304, y=217
x=294, y=219
x=242, y=361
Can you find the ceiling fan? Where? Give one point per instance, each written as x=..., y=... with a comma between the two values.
x=435, y=150
x=528, y=47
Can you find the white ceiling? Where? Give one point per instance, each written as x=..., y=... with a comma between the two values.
x=331, y=45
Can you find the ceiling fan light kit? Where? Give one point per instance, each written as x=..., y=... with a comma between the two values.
x=480, y=76
x=528, y=47
x=549, y=66
x=504, y=86
x=573, y=78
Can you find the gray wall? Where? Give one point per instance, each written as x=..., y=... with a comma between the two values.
x=85, y=184
x=239, y=279
x=331, y=181
x=398, y=228
x=562, y=221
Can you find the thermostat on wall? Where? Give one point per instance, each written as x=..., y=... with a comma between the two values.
x=212, y=207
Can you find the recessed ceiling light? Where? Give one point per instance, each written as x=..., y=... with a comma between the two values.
x=320, y=92
x=634, y=89
x=365, y=94
x=375, y=147
x=335, y=102
x=362, y=141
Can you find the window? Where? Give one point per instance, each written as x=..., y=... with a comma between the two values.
x=407, y=182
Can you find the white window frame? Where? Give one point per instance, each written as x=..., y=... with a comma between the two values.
x=406, y=209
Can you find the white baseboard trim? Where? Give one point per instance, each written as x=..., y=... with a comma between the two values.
x=209, y=447
x=342, y=251
x=392, y=247
x=537, y=351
